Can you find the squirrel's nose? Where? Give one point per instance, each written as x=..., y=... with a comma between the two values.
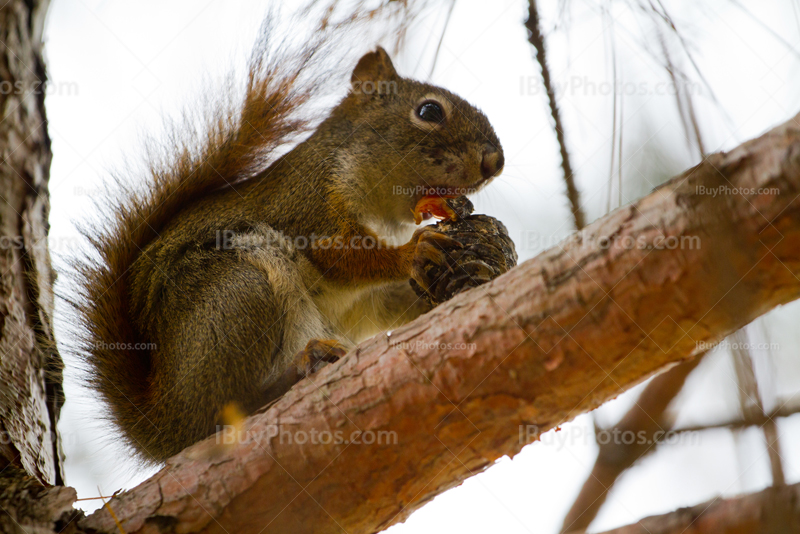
x=492, y=161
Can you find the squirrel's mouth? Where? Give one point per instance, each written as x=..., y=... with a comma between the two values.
x=438, y=191
x=449, y=191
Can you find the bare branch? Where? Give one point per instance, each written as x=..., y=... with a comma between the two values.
x=772, y=511
x=31, y=393
x=786, y=410
x=441, y=37
x=751, y=403
x=615, y=456
x=775, y=35
x=536, y=38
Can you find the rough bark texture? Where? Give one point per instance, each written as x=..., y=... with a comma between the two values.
x=30, y=508
x=30, y=367
x=773, y=511
x=555, y=337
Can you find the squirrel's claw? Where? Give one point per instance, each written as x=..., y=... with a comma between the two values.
x=432, y=248
x=484, y=252
x=316, y=354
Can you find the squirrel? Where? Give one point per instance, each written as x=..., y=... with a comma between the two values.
x=230, y=278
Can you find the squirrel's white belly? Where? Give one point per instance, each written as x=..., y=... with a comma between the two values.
x=346, y=313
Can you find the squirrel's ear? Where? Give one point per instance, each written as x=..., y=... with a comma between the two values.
x=374, y=67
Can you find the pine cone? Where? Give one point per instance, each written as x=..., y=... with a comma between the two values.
x=487, y=253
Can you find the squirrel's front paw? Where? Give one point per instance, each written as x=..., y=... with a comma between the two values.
x=483, y=252
x=316, y=354
x=430, y=256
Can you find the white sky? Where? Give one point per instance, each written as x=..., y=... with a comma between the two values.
x=118, y=67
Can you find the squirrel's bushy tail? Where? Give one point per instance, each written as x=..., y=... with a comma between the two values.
x=235, y=139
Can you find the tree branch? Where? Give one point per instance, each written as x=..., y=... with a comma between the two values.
x=751, y=404
x=31, y=394
x=479, y=377
x=536, y=38
x=786, y=409
x=775, y=510
x=645, y=418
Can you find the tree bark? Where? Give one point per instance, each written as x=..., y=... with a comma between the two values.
x=775, y=510
x=30, y=367
x=31, y=508
x=479, y=377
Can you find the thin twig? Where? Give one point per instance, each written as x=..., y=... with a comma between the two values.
x=712, y=95
x=645, y=418
x=537, y=40
x=752, y=405
x=686, y=115
x=744, y=422
x=619, y=147
x=769, y=30
x=441, y=37
x=613, y=113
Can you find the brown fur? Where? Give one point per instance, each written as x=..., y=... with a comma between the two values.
x=226, y=321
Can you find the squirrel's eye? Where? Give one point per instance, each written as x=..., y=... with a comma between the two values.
x=430, y=112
